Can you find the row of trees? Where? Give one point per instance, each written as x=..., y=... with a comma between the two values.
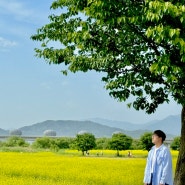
x=87, y=141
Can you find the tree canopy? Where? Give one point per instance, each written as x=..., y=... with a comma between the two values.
x=139, y=45
x=120, y=141
x=85, y=141
x=146, y=141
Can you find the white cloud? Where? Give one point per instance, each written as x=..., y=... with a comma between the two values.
x=14, y=7
x=4, y=43
x=20, y=18
x=25, y=11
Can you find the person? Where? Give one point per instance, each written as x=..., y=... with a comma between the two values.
x=158, y=170
x=129, y=154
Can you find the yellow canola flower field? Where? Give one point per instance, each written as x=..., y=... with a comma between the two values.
x=47, y=168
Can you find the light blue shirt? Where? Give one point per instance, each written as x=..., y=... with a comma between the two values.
x=162, y=172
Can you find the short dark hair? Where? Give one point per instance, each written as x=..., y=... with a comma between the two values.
x=160, y=133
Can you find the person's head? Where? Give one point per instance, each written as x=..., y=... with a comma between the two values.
x=158, y=136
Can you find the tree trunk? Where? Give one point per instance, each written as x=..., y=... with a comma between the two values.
x=180, y=166
x=118, y=153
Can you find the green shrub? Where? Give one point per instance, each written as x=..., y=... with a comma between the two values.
x=62, y=143
x=44, y=142
x=15, y=141
x=102, y=143
x=136, y=145
x=1, y=144
x=52, y=143
x=175, y=145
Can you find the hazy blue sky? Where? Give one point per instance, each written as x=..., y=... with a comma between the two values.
x=32, y=91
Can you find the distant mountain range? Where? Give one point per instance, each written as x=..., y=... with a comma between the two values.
x=170, y=125
x=101, y=127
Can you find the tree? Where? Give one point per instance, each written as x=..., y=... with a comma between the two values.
x=120, y=142
x=139, y=45
x=85, y=141
x=175, y=145
x=146, y=141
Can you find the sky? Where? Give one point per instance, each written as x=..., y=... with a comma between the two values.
x=32, y=91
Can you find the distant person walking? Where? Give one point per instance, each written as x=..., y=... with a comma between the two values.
x=129, y=154
x=158, y=170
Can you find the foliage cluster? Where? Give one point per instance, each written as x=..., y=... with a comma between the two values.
x=138, y=45
x=120, y=142
x=175, y=145
x=85, y=142
x=146, y=141
x=14, y=141
x=53, y=143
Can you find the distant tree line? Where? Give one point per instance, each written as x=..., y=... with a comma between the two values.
x=85, y=141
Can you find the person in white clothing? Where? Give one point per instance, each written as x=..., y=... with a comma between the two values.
x=158, y=170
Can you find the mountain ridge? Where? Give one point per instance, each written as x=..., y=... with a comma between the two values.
x=171, y=124
x=101, y=127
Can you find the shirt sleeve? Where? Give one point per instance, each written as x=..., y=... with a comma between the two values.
x=147, y=175
x=166, y=168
